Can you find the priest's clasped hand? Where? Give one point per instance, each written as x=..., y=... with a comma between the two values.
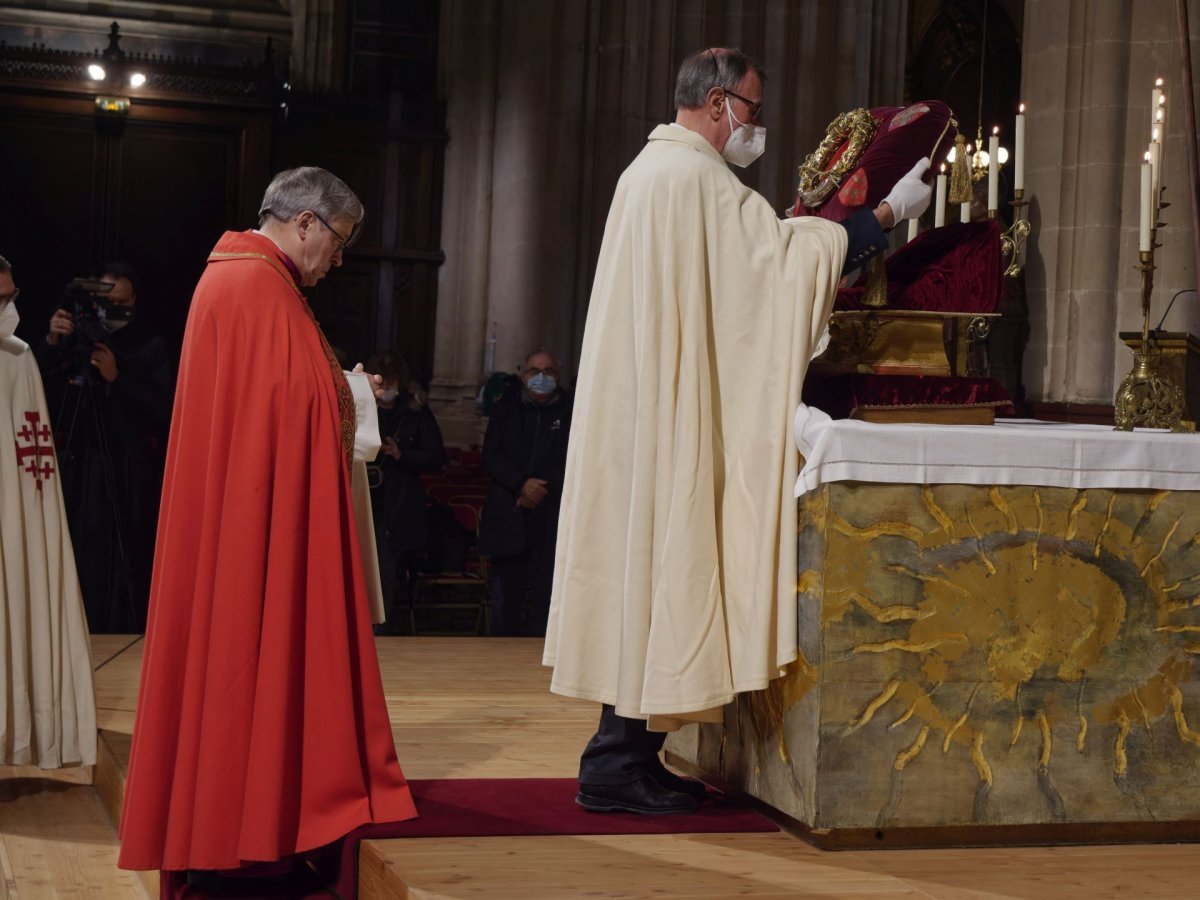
x=910, y=195
x=533, y=492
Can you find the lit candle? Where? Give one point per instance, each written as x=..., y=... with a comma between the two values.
x=1144, y=222
x=1156, y=101
x=1019, y=151
x=939, y=211
x=994, y=171
x=914, y=228
x=1154, y=155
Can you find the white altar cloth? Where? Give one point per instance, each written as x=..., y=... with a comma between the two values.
x=1013, y=451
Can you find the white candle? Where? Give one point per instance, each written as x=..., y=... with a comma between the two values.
x=964, y=212
x=1019, y=152
x=939, y=211
x=1144, y=222
x=994, y=171
x=1155, y=99
x=914, y=228
x=1154, y=155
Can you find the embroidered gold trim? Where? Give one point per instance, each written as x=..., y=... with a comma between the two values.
x=269, y=260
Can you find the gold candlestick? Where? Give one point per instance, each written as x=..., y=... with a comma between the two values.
x=1013, y=240
x=1144, y=399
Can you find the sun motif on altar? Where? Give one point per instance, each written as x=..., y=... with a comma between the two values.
x=989, y=618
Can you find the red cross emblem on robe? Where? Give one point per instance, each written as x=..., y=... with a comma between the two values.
x=35, y=450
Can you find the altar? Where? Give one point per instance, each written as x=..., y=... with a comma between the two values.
x=998, y=628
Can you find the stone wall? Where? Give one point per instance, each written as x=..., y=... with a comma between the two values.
x=1088, y=72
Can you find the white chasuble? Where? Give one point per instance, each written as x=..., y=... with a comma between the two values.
x=48, y=707
x=675, y=573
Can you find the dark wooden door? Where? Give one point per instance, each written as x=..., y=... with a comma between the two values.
x=155, y=188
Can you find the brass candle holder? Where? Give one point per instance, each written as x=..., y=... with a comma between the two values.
x=1012, y=241
x=1144, y=399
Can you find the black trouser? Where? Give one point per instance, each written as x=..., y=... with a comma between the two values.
x=622, y=750
x=516, y=582
x=527, y=576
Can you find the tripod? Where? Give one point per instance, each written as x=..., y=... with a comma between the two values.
x=83, y=442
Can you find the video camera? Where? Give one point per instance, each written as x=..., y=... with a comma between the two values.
x=86, y=300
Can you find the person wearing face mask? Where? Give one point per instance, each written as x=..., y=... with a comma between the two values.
x=50, y=707
x=675, y=576
x=412, y=444
x=112, y=424
x=525, y=452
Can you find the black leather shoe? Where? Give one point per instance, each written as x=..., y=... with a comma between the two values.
x=644, y=796
x=672, y=782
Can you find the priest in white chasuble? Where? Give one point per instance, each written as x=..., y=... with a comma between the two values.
x=47, y=707
x=674, y=583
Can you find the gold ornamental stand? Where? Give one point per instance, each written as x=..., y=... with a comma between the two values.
x=1012, y=241
x=1143, y=399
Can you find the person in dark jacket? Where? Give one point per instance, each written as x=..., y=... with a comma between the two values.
x=110, y=384
x=525, y=452
x=412, y=444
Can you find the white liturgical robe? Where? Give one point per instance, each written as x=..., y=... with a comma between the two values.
x=47, y=708
x=675, y=573
x=675, y=577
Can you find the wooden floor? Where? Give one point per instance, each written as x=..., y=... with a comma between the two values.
x=479, y=707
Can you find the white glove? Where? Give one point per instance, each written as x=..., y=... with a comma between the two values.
x=910, y=197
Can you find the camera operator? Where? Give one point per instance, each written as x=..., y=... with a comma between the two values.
x=110, y=384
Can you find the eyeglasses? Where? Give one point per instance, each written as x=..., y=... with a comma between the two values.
x=533, y=370
x=343, y=242
x=755, y=108
x=10, y=298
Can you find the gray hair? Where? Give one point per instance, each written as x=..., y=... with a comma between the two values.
x=722, y=67
x=5, y=265
x=293, y=191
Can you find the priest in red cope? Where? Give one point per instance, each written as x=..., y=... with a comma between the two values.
x=261, y=727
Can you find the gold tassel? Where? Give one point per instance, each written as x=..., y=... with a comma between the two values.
x=875, y=292
x=961, y=188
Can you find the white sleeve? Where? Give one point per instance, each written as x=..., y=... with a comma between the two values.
x=366, y=436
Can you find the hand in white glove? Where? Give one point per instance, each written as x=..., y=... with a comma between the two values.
x=910, y=197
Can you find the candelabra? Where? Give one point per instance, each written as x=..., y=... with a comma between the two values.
x=979, y=159
x=1144, y=399
x=1012, y=241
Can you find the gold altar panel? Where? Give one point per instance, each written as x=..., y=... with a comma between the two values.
x=980, y=657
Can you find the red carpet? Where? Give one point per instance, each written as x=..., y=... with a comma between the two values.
x=469, y=807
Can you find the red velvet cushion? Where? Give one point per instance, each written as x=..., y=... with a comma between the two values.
x=903, y=136
x=956, y=268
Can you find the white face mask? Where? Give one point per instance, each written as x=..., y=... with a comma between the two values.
x=8, y=319
x=746, y=142
x=389, y=395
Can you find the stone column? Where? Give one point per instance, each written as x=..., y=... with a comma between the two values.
x=318, y=44
x=1088, y=72
x=467, y=55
